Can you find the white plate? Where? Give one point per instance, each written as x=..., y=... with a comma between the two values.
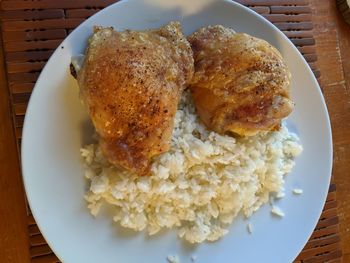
x=55, y=129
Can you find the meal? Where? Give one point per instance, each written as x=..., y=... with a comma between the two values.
x=190, y=131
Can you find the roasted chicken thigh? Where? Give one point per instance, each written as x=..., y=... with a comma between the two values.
x=130, y=83
x=241, y=83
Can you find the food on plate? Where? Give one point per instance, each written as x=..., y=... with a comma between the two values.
x=201, y=178
x=275, y=210
x=131, y=83
x=200, y=185
x=297, y=191
x=173, y=259
x=241, y=84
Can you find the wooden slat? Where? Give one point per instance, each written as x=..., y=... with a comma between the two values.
x=310, y=57
x=41, y=24
x=22, y=77
x=273, y=2
x=37, y=240
x=298, y=34
x=31, y=45
x=307, y=49
x=327, y=257
x=322, y=241
x=331, y=196
x=31, y=14
x=34, y=35
x=54, y=4
x=294, y=26
x=332, y=188
x=290, y=9
x=24, y=66
x=28, y=56
x=80, y=13
x=336, y=257
x=20, y=109
x=329, y=205
x=312, y=65
x=42, y=250
x=31, y=220
x=19, y=143
x=18, y=88
x=325, y=231
x=261, y=9
x=33, y=230
x=332, y=212
x=20, y=98
x=29, y=212
x=319, y=250
x=19, y=121
x=331, y=221
x=317, y=74
x=51, y=258
x=287, y=18
x=303, y=41
x=18, y=132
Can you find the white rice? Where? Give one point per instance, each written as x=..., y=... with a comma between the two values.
x=277, y=211
x=297, y=191
x=250, y=228
x=173, y=259
x=200, y=185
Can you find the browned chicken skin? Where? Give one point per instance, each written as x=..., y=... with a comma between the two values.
x=131, y=82
x=241, y=83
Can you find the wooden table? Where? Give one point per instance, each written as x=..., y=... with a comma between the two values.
x=332, y=35
x=333, y=47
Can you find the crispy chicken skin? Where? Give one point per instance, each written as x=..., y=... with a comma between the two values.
x=131, y=82
x=241, y=83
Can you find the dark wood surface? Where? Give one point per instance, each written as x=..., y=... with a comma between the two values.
x=27, y=47
x=13, y=218
x=332, y=35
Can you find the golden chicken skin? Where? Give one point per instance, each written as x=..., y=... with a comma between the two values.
x=241, y=84
x=131, y=83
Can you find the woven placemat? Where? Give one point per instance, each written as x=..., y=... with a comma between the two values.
x=31, y=30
